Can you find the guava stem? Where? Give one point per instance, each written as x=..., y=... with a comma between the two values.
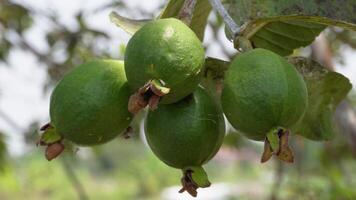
x=219, y=7
x=186, y=12
x=194, y=178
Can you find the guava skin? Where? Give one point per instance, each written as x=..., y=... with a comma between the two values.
x=262, y=91
x=89, y=105
x=187, y=133
x=167, y=50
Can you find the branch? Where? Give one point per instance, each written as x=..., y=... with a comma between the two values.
x=23, y=44
x=82, y=195
x=217, y=6
x=186, y=12
x=279, y=173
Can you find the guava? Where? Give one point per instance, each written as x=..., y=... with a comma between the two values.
x=186, y=135
x=168, y=52
x=262, y=94
x=89, y=105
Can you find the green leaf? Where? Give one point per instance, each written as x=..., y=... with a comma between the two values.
x=128, y=25
x=282, y=26
x=172, y=9
x=283, y=37
x=200, y=15
x=326, y=89
x=327, y=12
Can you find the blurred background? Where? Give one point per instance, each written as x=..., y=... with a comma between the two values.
x=41, y=40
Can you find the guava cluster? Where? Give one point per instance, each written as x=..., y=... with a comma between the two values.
x=184, y=126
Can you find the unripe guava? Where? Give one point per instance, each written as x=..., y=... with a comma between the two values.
x=262, y=92
x=186, y=135
x=89, y=105
x=168, y=51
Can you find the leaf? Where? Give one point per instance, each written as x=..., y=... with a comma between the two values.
x=172, y=9
x=326, y=89
x=327, y=12
x=198, y=23
x=282, y=37
x=15, y=16
x=128, y=25
x=282, y=26
x=200, y=15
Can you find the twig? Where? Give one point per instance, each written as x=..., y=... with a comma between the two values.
x=186, y=12
x=217, y=6
x=82, y=195
x=277, y=180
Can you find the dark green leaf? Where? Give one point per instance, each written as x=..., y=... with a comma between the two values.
x=328, y=12
x=282, y=26
x=283, y=37
x=326, y=89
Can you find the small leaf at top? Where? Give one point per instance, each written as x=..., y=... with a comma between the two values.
x=326, y=89
x=128, y=25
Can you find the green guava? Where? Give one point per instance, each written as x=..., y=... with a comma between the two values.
x=187, y=134
x=168, y=51
x=89, y=105
x=263, y=92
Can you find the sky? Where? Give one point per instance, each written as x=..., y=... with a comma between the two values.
x=21, y=82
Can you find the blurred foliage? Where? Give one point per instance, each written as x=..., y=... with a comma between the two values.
x=3, y=151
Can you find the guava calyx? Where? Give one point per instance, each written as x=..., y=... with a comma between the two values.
x=276, y=143
x=194, y=178
x=54, y=150
x=150, y=94
x=52, y=141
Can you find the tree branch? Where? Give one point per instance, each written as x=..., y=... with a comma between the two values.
x=82, y=195
x=186, y=12
x=217, y=6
